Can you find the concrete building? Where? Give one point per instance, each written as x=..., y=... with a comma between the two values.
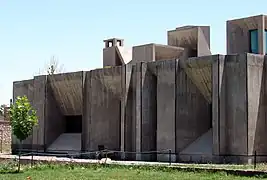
x=155, y=97
x=247, y=35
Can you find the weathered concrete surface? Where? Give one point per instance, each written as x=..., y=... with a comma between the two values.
x=39, y=104
x=233, y=107
x=256, y=94
x=156, y=52
x=193, y=116
x=158, y=105
x=166, y=104
x=199, y=70
x=218, y=64
x=148, y=111
x=111, y=57
x=239, y=95
x=200, y=150
x=67, y=89
x=115, y=54
x=125, y=54
x=66, y=143
x=86, y=117
x=196, y=39
x=128, y=110
x=103, y=95
x=35, y=90
x=143, y=53
x=238, y=40
x=54, y=120
x=165, y=52
x=138, y=111
x=22, y=88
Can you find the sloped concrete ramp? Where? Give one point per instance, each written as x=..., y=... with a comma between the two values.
x=66, y=142
x=199, y=150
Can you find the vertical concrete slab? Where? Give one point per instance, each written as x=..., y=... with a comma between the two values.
x=128, y=112
x=233, y=107
x=131, y=114
x=138, y=110
x=149, y=112
x=256, y=84
x=105, y=108
x=166, y=108
x=86, y=119
x=124, y=92
x=21, y=88
x=39, y=104
x=217, y=77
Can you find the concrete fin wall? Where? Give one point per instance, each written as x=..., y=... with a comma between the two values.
x=22, y=88
x=239, y=115
x=218, y=64
x=257, y=91
x=148, y=110
x=128, y=110
x=103, y=90
x=166, y=104
x=39, y=101
x=233, y=106
x=145, y=111
x=86, y=119
x=67, y=89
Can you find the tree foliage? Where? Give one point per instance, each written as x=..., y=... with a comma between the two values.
x=53, y=67
x=22, y=117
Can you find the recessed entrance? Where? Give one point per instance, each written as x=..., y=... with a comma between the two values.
x=73, y=124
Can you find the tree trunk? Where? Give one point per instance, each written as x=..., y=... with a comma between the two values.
x=19, y=155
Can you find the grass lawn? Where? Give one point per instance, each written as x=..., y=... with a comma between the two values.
x=73, y=172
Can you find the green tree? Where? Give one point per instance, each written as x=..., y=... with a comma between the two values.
x=22, y=118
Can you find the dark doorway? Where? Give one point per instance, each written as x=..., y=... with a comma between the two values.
x=73, y=124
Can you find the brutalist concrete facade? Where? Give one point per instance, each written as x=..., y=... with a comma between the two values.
x=156, y=106
x=211, y=104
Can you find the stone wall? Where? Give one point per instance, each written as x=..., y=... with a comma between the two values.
x=5, y=133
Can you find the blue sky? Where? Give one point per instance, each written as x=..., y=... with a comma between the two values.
x=31, y=31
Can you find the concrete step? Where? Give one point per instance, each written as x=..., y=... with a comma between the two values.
x=66, y=143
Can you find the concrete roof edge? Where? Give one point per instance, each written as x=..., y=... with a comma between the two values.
x=242, y=18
